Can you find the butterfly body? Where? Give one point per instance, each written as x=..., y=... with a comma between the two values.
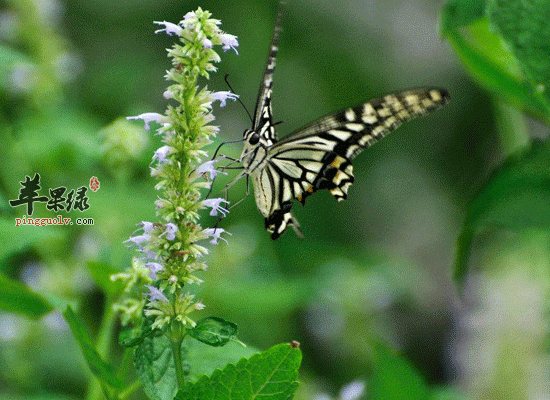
x=318, y=156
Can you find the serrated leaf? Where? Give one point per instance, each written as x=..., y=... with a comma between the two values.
x=101, y=273
x=213, y=331
x=516, y=196
x=203, y=359
x=104, y=371
x=154, y=365
x=271, y=374
x=394, y=378
x=523, y=25
x=16, y=297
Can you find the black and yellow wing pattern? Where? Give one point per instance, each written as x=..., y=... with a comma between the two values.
x=318, y=156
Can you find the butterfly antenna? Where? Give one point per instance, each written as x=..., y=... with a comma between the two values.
x=238, y=99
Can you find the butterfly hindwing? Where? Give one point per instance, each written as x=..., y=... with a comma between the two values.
x=318, y=156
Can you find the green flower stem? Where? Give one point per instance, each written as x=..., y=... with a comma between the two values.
x=104, y=338
x=176, y=340
x=129, y=390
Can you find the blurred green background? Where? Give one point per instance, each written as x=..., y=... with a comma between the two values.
x=376, y=267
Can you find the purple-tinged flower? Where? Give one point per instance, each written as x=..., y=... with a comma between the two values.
x=170, y=231
x=206, y=43
x=150, y=117
x=154, y=267
x=208, y=168
x=169, y=28
x=138, y=240
x=215, y=233
x=147, y=226
x=216, y=206
x=155, y=294
x=223, y=96
x=199, y=306
x=229, y=42
x=169, y=94
x=162, y=153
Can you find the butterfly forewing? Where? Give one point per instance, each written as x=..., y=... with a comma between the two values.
x=263, y=118
x=319, y=155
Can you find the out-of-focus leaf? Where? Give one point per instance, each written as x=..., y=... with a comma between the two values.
x=9, y=57
x=446, y=394
x=271, y=374
x=516, y=196
x=104, y=371
x=18, y=238
x=101, y=273
x=486, y=59
x=213, y=331
x=16, y=297
x=524, y=27
x=458, y=13
x=394, y=378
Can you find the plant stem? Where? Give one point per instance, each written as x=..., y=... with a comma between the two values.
x=102, y=347
x=178, y=361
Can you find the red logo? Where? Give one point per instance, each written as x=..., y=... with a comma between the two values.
x=94, y=184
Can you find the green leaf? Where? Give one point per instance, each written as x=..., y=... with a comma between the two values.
x=484, y=57
x=524, y=27
x=155, y=368
x=203, y=359
x=133, y=336
x=395, y=378
x=516, y=196
x=213, y=331
x=458, y=13
x=16, y=297
x=101, y=273
x=154, y=365
x=271, y=374
x=104, y=371
x=18, y=238
x=446, y=394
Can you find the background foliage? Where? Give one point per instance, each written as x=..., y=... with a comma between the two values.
x=376, y=269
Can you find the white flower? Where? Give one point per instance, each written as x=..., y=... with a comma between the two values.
x=229, y=42
x=162, y=153
x=138, y=240
x=147, y=226
x=154, y=267
x=216, y=206
x=215, y=233
x=223, y=96
x=353, y=390
x=170, y=231
x=206, y=43
x=169, y=28
x=150, y=117
x=155, y=294
x=169, y=94
x=208, y=168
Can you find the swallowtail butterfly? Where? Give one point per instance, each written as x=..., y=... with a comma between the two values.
x=318, y=156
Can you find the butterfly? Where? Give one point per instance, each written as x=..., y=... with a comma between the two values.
x=317, y=156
